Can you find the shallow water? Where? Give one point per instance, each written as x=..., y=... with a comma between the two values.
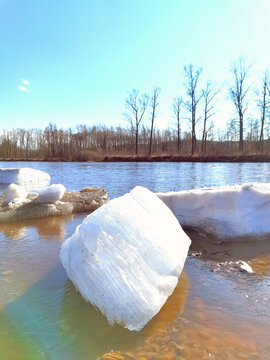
x=216, y=311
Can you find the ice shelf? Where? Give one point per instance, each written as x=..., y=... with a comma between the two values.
x=225, y=212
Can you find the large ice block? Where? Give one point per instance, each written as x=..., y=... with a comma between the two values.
x=225, y=212
x=125, y=258
x=29, y=178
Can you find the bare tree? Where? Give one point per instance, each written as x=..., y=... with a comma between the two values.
x=192, y=76
x=136, y=105
x=177, y=108
x=238, y=94
x=153, y=104
x=253, y=130
x=208, y=94
x=264, y=104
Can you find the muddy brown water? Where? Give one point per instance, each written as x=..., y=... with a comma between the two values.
x=215, y=312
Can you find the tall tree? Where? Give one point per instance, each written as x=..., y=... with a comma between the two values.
x=238, y=94
x=208, y=94
x=177, y=108
x=192, y=76
x=264, y=104
x=153, y=104
x=136, y=106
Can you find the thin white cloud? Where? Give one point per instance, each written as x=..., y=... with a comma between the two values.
x=24, y=85
x=23, y=88
x=25, y=82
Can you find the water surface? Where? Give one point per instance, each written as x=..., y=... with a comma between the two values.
x=215, y=312
x=118, y=178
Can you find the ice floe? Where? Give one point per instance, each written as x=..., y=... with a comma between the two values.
x=125, y=258
x=14, y=193
x=226, y=212
x=86, y=200
x=50, y=194
x=28, y=178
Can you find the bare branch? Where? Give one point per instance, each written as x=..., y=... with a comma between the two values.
x=192, y=77
x=136, y=106
x=238, y=93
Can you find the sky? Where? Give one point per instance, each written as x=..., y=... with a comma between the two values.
x=74, y=62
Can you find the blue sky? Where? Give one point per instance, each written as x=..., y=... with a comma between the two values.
x=73, y=62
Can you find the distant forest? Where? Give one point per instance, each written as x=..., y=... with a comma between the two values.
x=243, y=134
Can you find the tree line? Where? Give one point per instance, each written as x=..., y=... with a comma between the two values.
x=196, y=108
x=241, y=128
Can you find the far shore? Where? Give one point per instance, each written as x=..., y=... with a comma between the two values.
x=160, y=158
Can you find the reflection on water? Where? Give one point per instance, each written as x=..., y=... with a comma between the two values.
x=16, y=233
x=212, y=314
x=51, y=227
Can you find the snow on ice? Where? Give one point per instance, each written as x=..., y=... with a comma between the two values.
x=226, y=212
x=125, y=258
x=15, y=193
x=50, y=194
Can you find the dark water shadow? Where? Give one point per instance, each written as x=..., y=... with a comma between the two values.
x=209, y=248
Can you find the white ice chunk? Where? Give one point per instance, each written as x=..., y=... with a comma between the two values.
x=244, y=266
x=14, y=193
x=125, y=258
x=227, y=211
x=28, y=178
x=50, y=193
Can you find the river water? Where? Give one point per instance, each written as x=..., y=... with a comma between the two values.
x=216, y=311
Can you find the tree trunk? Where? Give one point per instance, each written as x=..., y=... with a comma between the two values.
x=241, y=141
x=178, y=136
x=193, y=136
x=263, y=118
x=136, y=139
x=151, y=134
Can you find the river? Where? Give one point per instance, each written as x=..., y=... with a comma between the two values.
x=215, y=312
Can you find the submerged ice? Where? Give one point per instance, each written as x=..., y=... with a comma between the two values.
x=226, y=212
x=125, y=258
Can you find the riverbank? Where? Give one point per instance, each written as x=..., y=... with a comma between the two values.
x=175, y=158
x=160, y=158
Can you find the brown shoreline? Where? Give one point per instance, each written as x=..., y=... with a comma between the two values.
x=163, y=158
x=172, y=158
